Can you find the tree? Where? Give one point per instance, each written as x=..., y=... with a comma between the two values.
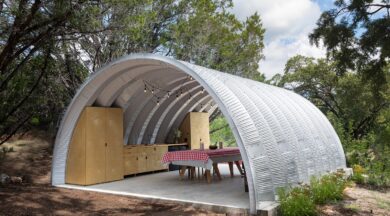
x=347, y=97
x=32, y=59
x=47, y=48
x=202, y=32
x=220, y=132
x=361, y=121
x=218, y=40
x=357, y=36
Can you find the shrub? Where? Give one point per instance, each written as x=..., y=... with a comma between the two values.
x=357, y=169
x=358, y=172
x=296, y=202
x=358, y=178
x=372, y=177
x=327, y=188
x=378, y=180
x=301, y=200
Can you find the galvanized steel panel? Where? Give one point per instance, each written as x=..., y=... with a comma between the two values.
x=283, y=138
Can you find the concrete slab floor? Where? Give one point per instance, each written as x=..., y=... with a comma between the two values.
x=228, y=193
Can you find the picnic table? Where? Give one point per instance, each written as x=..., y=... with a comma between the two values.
x=206, y=159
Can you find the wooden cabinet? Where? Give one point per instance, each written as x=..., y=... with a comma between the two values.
x=114, y=150
x=195, y=127
x=143, y=158
x=130, y=159
x=96, y=149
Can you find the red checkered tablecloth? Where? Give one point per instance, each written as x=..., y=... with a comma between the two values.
x=201, y=155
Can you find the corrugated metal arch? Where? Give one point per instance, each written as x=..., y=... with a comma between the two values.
x=282, y=137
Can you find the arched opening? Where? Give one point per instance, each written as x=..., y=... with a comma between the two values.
x=155, y=94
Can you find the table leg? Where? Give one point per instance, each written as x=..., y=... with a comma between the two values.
x=193, y=172
x=208, y=176
x=231, y=169
x=215, y=166
x=182, y=171
x=239, y=167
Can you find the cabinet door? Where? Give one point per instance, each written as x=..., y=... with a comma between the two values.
x=114, y=139
x=130, y=160
x=199, y=127
x=95, y=145
x=75, y=164
x=142, y=160
x=150, y=158
x=161, y=150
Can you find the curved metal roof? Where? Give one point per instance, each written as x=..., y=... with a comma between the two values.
x=283, y=138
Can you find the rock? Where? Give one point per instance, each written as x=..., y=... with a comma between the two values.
x=4, y=178
x=16, y=180
x=27, y=179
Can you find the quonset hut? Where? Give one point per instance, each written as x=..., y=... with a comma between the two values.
x=283, y=138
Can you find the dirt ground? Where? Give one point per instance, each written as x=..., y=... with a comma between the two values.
x=360, y=202
x=32, y=159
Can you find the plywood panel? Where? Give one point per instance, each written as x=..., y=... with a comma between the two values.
x=161, y=150
x=95, y=145
x=195, y=127
x=130, y=160
x=142, y=162
x=130, y=164
x=200, y=129
x=149, y=156
x=75, y=169
x=186, y=131
x=114, y=139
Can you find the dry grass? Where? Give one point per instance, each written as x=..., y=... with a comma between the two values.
x=360, y=201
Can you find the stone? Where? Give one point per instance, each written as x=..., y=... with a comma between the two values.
x=16, y=180
x=4, y=178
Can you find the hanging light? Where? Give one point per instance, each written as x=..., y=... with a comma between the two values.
x=152, y=90
x=177, y=96
x=201, y=106
x=158, y=101
x=202, y=90
x=145, y=89
x=181, y=92
x=168, y=94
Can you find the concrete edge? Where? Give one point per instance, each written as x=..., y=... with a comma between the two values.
x=348, y=172
x=157, y=200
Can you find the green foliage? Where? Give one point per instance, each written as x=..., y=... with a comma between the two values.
x=327, y=188
x=378, y=180
x=34, y=121
x=360, y=116
x=296, y=202
x=301, y=200
x=357, y=38
x=48, y=48
x=218, y=40
x=220, y=132
x=358, y=172
x=357, y=98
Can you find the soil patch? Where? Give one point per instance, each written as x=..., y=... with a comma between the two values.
x=31, y=159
